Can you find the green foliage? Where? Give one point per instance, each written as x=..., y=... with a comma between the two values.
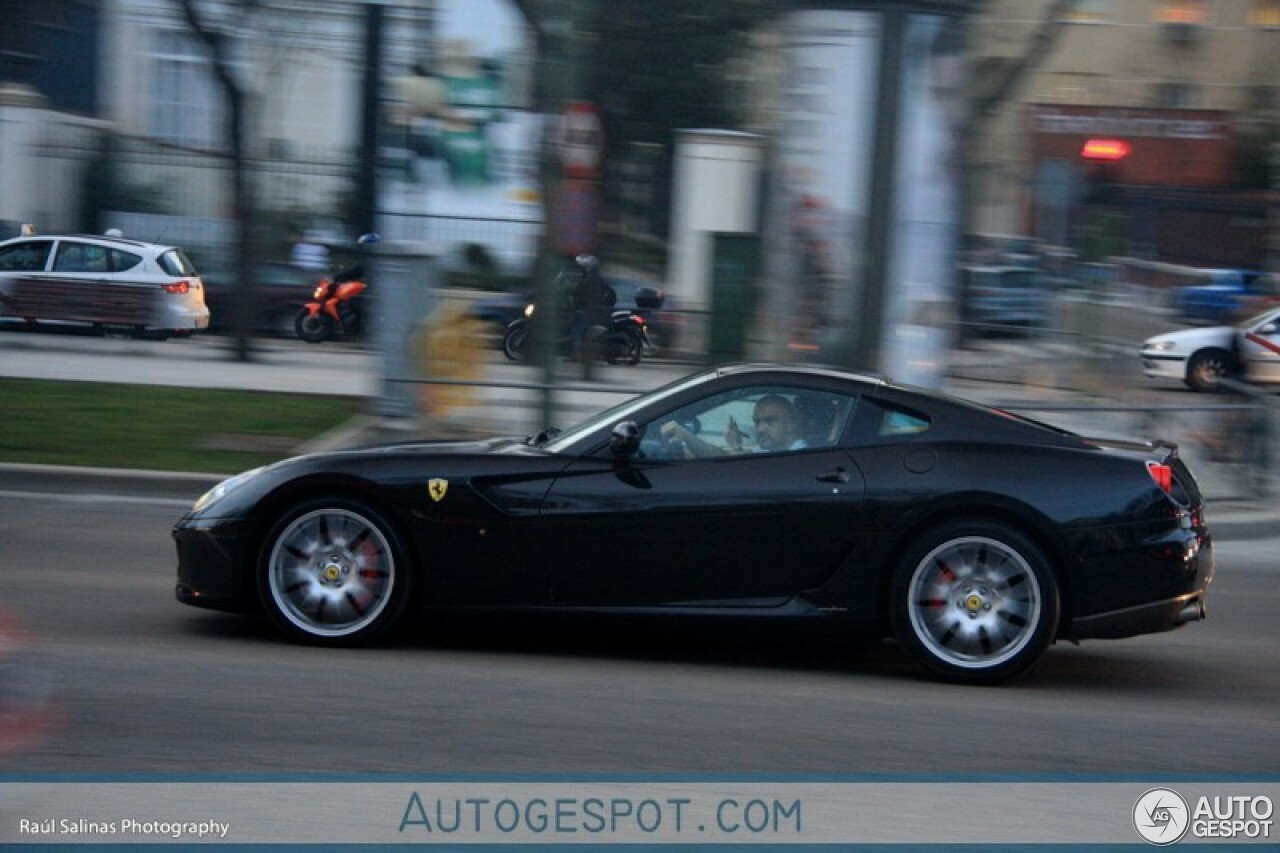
x=658, y=66
x=159, y=428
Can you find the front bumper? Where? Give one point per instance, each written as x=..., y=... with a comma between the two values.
x=210, y=565
x=1163, y=365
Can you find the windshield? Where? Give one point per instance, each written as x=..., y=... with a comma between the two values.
x=1269, y=315
x=559, y=441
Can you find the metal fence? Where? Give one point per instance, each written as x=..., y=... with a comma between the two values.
x=1080, y=373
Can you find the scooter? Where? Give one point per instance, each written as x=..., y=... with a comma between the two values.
x=621, y=339
x=335, y=307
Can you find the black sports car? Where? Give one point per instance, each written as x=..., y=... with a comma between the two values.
x=974, y=537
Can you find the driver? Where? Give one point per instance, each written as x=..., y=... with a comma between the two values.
x=777, y=428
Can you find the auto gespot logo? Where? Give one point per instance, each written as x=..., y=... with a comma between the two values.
x=1162, y=817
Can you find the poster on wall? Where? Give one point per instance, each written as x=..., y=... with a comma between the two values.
x=820, y=186
x=464, y=170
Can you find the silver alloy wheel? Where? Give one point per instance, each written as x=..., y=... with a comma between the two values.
x=974, y=602
x=331, y=572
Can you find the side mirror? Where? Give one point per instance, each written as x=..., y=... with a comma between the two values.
x=1269, y=329
x=624, y=441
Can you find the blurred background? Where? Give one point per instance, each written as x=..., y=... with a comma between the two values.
x=940, y=191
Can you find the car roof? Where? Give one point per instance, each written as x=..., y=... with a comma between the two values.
x=802, y=370
x=93, y=238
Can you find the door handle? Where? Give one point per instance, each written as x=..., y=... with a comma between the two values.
x=837, y=476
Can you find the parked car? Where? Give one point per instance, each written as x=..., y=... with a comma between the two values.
x=975, y=538
x=103, y=283
x=1000, y=300
x=665, y=323
x=279, y=292
x=1221, y=297
x=1201, y=357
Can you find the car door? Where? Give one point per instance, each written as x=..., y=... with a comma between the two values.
x=22, y=266
x=1262, y=352
x=84, y=276
x=739, y=529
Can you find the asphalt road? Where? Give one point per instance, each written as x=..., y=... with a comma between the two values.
x=127, y=680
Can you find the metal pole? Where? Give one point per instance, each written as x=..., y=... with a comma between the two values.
x=863, y=353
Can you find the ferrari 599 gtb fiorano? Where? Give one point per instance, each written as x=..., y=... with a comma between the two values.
x=973, y=537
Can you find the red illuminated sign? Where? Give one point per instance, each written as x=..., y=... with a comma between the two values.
x=1105, y=149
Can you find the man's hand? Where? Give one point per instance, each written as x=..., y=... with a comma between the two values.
x=733, y=436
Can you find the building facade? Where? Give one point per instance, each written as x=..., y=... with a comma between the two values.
x=1187, y=93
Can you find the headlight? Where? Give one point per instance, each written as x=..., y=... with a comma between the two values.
x=1160, y=346
x=528, y=310
x=224, y=488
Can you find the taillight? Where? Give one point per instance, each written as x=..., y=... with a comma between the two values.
x=179, y=287
x=1162, y=474
x=637, y=319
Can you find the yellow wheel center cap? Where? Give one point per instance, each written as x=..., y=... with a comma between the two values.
x=973, y=602
x=332, y=572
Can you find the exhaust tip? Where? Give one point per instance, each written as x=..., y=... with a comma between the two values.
x=1192, y=612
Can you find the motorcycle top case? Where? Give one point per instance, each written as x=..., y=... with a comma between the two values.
x=649, y=297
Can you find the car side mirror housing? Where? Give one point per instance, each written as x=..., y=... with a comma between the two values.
x=1269, y=329
x=624, y=441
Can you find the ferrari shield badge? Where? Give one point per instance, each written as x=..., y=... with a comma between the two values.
x=436, y=488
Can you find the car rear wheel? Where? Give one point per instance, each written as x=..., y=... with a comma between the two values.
x=334, y=571
x=623, y=347
x=974, y=602
x=1206, y=368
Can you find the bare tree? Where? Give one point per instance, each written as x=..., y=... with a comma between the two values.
x=220, y=42
x=991, y=91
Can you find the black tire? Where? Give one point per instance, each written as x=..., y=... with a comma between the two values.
x=1207, y=367
x=312, y=328
x=975, y=602
x=623, y=347
x=334, y=571
x=515, y=341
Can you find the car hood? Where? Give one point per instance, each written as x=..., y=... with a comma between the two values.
x=473, y=447
x=1196, y=338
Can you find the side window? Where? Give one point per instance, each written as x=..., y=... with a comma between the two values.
x=759, y=419
x=879, y=422
x=122, y=260
x=81, y=257
x=29, y=256
x=901, y=423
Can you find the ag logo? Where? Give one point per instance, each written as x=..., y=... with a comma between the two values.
x=436, y=488
x=1161, y=816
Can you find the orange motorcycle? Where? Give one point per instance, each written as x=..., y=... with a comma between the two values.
x=336, y=306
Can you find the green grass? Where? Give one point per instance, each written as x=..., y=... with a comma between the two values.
x=159, y=428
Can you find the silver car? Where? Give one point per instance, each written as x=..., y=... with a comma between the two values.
x=106, y=283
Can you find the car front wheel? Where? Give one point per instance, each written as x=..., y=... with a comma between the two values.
x=1206, y=368
x=334, y=571
x=974, y=602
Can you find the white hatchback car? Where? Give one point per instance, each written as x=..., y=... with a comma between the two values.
x=1200, y=357
x=107, y=283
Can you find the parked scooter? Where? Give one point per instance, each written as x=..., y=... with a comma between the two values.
x=621, y=337
x=336, y=307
